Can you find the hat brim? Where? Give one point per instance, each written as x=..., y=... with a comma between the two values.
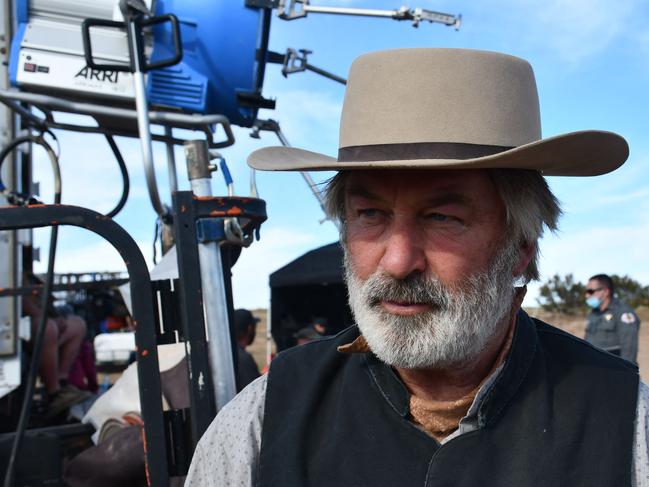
x=584, y=153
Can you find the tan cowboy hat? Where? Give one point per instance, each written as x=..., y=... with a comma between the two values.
x=448, y=108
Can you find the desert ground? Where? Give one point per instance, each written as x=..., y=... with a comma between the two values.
x=575, y=324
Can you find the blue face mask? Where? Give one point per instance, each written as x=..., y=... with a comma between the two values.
x=594, y=302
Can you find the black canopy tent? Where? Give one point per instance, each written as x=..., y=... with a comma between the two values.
x=311, y=285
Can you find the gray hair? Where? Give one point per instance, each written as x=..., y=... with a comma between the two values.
x=529, y=203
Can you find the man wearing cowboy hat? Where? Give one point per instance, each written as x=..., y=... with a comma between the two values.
x=441, y=201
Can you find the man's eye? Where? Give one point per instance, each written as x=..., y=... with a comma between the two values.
x=369, y=213
x=438, y=217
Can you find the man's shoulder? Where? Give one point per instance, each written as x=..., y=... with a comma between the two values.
x=244, y=412
x=623, y=311
x=228, y=450
x=303, y=360
x=248, y=403
x=567, y=347
x=327, y=345
x=244, y=355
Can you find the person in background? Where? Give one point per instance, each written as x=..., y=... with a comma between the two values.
x=306, y=335
x=612, y=324
x=245, y=325
x=83, y=371
x=320, y=325
x=62, y=341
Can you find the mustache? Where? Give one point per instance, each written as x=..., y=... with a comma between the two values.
x=415, y=289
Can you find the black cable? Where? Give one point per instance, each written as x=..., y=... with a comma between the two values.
x=45, y=303
x=125, y=179
x=35, y=139
x=55, y=138
x=43, y=126
x=156, y=235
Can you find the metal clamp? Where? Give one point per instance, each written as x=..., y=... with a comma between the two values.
x=235, y=234
x=222, y=230
x=293, y=62
x=290, y=11
x=420, y=14
x=210, y=230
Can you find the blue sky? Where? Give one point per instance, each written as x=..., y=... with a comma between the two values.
x=589, y=57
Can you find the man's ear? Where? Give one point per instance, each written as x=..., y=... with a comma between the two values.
x=524, y=257
x=608, y=292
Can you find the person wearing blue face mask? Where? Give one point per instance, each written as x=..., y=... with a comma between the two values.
x=612, y=324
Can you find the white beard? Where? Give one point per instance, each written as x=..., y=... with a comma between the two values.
x=455, y=331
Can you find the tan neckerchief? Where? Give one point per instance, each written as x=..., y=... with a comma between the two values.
x=441, y=418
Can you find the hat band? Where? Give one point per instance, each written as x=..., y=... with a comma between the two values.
x=417, y=150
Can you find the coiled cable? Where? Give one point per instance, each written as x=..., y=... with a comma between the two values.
x=125, y=179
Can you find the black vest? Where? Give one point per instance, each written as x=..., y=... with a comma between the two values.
x=561, y=412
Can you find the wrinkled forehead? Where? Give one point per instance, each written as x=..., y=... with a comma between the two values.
x=472, y=185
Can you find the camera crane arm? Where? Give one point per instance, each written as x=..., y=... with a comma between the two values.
x=295, y=9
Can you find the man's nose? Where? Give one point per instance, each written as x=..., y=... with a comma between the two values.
x=404, y=250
